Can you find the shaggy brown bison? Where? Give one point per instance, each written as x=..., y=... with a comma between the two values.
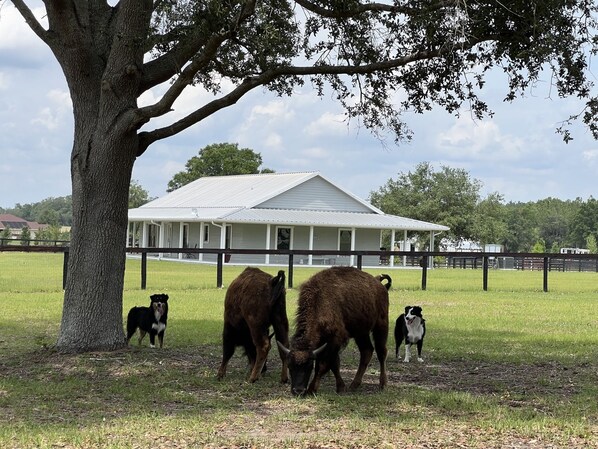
x=254, y=301
x=335, y=305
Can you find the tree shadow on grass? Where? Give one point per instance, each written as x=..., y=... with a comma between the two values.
x=43, y=389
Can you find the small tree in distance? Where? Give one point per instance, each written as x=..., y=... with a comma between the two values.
x=219, y=159
x=138, y=196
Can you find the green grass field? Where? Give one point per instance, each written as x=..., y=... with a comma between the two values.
x=512, y=367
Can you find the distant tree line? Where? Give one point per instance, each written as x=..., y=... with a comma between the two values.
x=451, y=197
x=57, y=212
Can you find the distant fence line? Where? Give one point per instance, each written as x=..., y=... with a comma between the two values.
x=521, y=261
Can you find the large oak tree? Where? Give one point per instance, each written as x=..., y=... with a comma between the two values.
x=380, y=59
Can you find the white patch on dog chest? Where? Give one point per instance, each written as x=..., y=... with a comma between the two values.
x=159, y=327
x=415, y=330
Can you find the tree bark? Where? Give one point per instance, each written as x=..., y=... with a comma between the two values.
x=102, y=69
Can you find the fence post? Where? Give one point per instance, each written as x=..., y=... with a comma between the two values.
x=359, y=261
x=424, y=263
x=219, y=270
x=485, y=269
x=143, y=270
x=290, y=277
x=65, y=268
x=545, y=274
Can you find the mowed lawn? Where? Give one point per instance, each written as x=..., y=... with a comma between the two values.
x=512, y=367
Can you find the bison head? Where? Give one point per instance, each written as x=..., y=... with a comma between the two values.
x=301, y=366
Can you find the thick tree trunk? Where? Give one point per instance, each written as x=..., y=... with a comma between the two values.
x=104, y=150
x=100, y=49
x=93, y=311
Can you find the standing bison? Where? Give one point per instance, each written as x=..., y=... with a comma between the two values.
x=254, y=301
x=335, y=305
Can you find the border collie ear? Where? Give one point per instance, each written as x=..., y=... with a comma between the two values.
x=407, y=309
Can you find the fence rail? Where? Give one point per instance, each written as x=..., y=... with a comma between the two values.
x=545, y=262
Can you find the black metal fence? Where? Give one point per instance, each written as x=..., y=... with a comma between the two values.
x=545, y=262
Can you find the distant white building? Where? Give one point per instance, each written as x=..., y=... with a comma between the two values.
x=269, y=211
x=574, y=251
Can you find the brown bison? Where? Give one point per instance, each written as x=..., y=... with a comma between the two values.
x=335, y=305
x=254, y=301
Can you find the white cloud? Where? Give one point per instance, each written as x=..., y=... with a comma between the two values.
x=479, y=140
x=591, y=156
x=328, y=124
x=4, y=81
x=53, y=116
x=19, y=46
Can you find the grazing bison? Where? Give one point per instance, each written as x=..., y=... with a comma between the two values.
x=335, y=305
x=254, y=301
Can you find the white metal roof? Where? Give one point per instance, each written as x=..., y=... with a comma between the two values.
x=233, y=199
x=283, y=217
x=244, y=191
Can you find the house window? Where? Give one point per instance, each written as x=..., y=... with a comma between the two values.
x=283, y=238
x=206, y=233
x=344, y=239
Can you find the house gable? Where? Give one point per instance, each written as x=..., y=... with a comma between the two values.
x=315, y=194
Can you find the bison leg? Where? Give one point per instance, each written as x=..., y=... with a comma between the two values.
x=336, y=370
x=262, y=347
x=322, y=367
x=228, y=349
x=380, y=339
x=365, y=350
x=281, y=331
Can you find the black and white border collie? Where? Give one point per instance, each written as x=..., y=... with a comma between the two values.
x=149, y=320
x=410, y=328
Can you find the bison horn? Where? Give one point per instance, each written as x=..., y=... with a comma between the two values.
x=283, y=348
x=316, y=352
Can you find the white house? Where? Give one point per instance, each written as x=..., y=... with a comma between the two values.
x=268, y=211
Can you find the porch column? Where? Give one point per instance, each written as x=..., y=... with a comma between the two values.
x=405, y=247
x=134, y=230
x=268, y=233
x=431, y=259
x=352, y=246
x=202, y=237
x=181, y=228
x=392, y=247
x=223, y=236
x=311, y=243
x=161, y=239
x=144, y=235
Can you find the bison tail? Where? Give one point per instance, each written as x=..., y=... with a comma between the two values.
x=387, y=278
x=278, y=286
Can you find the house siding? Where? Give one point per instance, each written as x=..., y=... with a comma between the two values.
x=315, y=194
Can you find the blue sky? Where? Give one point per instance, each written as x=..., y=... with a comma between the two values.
x=516, y=153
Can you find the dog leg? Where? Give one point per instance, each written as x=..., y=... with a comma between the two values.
x=407, y=352
x=420, y=343
x=141, y=335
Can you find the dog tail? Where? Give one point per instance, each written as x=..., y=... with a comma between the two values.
x=387, y=278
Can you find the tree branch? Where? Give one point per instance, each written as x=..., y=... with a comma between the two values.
x=369, y=7
x=168, y=65
x=250, y=83
x=32, y=21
